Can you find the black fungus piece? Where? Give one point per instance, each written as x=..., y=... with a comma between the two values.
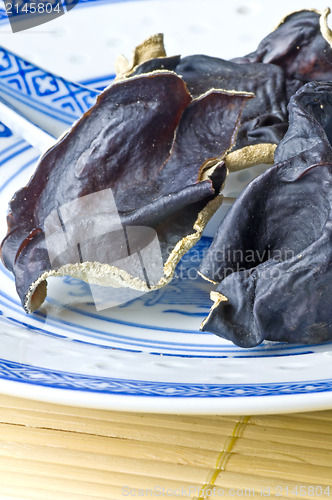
x=154, y=156
x=272, y=254
x=264, y=118
x=300, y=45
x=296, y=52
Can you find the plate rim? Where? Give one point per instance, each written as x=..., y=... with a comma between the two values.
x=294, y=397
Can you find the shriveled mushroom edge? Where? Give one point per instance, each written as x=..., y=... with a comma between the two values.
x=295, y=12
x=217, y=298
x=151, y=48
x=324, y=29
x=108, y=275
x=249, y=156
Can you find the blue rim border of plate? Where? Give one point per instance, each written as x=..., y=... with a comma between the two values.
x=106, y=385
x=55, y=379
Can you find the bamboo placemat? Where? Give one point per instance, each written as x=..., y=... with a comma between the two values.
x=54, y=452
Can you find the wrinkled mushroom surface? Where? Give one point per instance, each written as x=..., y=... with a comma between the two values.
x=264, y=119
x=272, y=255
x=296, y=52
x=300, y=45
x=140, y=171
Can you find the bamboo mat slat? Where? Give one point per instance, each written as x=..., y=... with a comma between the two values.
x=20, y=492
x=53, y=452
x=85, y=447
x=295, y=422
x=274, y=468
x=314, y=415
x=282, y=435
x=283, y=452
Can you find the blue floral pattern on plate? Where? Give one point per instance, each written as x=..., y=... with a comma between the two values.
x=43, y=93
x=107, y=385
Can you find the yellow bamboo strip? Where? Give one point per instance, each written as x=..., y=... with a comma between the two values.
x=95, y=451
x=119, y=485
x=18, y=438
x=283, y=452
x=293, y=422
x=275, y=469
x=84, y=424
x=22, y=492
x=78, y=463
x=194, y=435
x=110, y=466
x=136, y=431
x=20, y=481
x=314, y=415
x=208, y=423
x=321, y=440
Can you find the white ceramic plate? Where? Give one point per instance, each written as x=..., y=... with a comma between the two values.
x=147, y=355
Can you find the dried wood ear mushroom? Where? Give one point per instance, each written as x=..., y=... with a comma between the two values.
x=300, y=45
x=272, y=256
x=151, y=48
x=127, y=191
x=296, y=52
x=264, y=118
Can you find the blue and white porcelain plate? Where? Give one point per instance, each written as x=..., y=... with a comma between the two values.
x=148, y=354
